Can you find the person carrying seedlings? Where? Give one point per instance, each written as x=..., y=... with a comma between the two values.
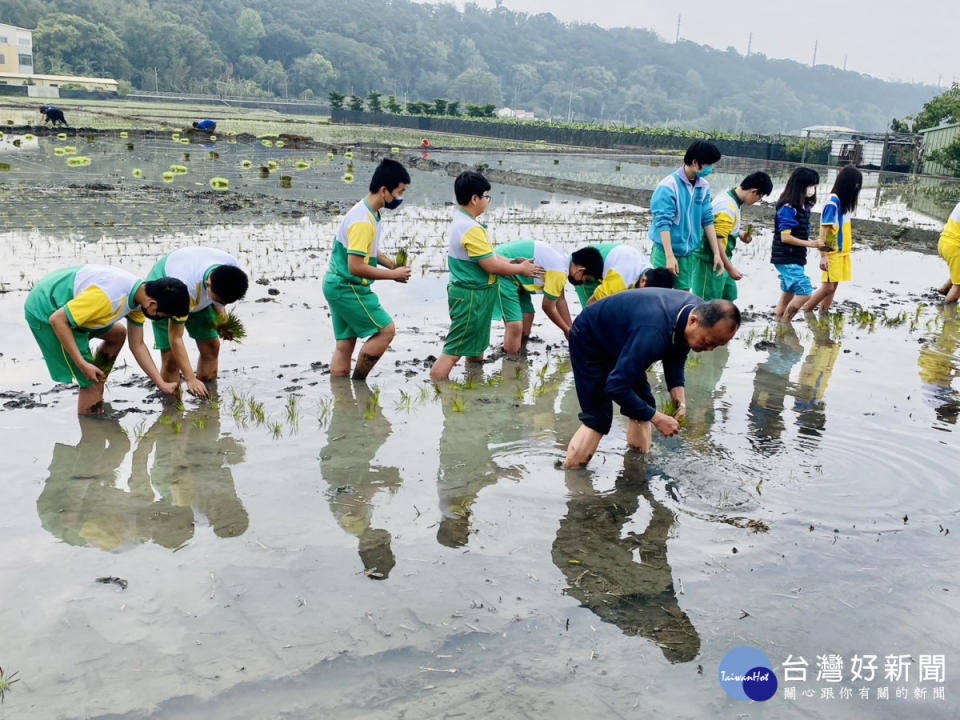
x=949, y=250
x=835, y=260
x=726, y=223
x=214, y=280
x=624, y=268
x=53, y=115
x=791, y=238
x=682, y=209
x=68, y=307
x=514, y=303
x=355, y=263
x=472, y=290
x=614, y=342
x=205, y=125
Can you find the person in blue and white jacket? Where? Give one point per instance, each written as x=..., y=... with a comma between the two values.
x=682, y=209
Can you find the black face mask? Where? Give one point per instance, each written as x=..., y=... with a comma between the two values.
x=575, y=283
x=393, y=204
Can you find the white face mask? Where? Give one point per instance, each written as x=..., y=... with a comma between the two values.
x=811, y=190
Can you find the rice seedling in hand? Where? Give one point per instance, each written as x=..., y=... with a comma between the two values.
x=401, y=259
x=229, y=327
x=671, y=408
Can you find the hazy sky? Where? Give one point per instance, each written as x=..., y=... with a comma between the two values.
x=885, y=38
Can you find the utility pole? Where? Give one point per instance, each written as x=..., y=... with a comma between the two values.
x=570, y=107
x=814, y=63
x=844, y=62
x=156, y=80
x=678, y=29
x=749, y=43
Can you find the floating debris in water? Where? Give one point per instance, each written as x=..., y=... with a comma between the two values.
x=111, y=580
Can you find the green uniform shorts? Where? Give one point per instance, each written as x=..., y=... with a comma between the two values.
x=658, y=258
x=61, y=367
x=355, y=309
x=471, y=311
x=708, y=286
x=512, y=301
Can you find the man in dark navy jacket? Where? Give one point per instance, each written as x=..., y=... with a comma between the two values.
x=613, y=342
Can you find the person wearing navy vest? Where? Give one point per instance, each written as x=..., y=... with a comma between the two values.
x=613, y=342
x=791, y=238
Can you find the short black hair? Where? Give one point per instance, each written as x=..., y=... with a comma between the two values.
x=715, y=311
x=847, y=187
x=389, y=174
x=758, y=181
x=468, y=184
x=229, y=283
x=171, y=295
x=659, y=278
x=703, y=152
x=795, y=193
x=196, y=124
x=591, y=260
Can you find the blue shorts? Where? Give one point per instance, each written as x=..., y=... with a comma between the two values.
x=794, y=280
x=590, y=370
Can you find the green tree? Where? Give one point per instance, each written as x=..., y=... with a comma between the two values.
x=69, y=45
x=272, y=77
x=355, y=103
x=477, y=86
x=373, y=102
x=313, y=72
x=393, y=106
x=453, y=108
x=336, y=99
x=250, y=31
x=943, y=108
x=439, y=106
x=948, y=156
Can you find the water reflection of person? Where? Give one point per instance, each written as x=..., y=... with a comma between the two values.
x=82, y=504
x=814, y=376
x=356, y=431
x=471, y=422
x=938, y=365
x=771, y=384
x=190, y=466
x=624, y=580
x=703, y=374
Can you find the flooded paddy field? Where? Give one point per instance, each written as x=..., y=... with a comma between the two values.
x=301, y=548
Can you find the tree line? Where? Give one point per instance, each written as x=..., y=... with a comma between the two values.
x=475, y=57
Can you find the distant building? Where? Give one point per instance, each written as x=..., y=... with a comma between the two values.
x=873, y=151
x=57, y=81
x=16, y=50
x=937, y=139
x=515, y=114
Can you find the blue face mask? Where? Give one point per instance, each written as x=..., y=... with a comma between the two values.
x=393, y=204
x=705, y=172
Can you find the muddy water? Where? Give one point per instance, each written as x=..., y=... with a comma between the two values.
x=302, y=548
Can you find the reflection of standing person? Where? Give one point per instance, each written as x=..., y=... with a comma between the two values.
x=702, y=380
x=939, y=366
x=771, y=381
x=190, y=467
x=615, y=341
x=603, y=573
x=82, y=505
x=814, y=377
x=949, y=249
x=355, y=434
x=466, y=463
